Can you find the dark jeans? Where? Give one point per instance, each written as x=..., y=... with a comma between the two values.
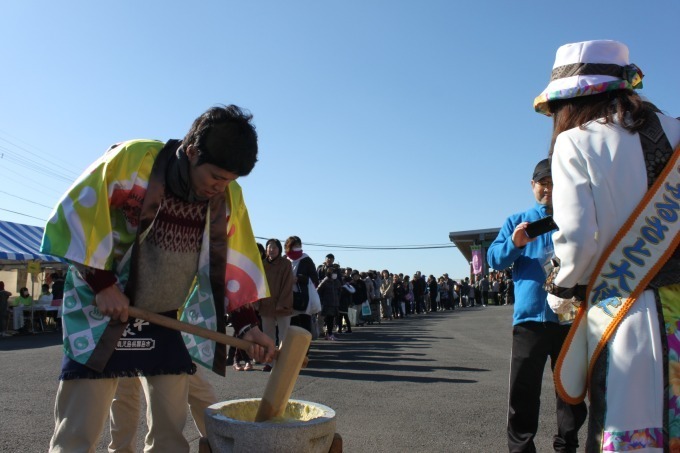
x=3, y=316
x=420, y=303
x=344, y=316
x=532, y=344
x=304, y=321
x=396, y=308
x=329, y=320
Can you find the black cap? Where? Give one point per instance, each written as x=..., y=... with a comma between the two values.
x=542, y=170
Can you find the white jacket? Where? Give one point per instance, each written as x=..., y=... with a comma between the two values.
x=599, y=178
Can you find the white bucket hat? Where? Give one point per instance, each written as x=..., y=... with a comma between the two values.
x=587, y=68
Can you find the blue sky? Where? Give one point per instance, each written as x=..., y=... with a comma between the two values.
x=381, y=123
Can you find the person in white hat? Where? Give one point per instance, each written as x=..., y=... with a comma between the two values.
x=609, y=148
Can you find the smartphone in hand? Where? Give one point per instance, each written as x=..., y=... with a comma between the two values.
x=541, y=226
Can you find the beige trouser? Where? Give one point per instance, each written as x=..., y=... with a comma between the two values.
x=124, y=415
x=201, y=395
x=269, y=326
x=126, y=405
x=82, y=406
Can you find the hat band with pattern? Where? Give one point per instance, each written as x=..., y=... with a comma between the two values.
x=574, y=69
x=630, y=73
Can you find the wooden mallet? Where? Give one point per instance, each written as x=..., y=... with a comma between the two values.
x=290, y=357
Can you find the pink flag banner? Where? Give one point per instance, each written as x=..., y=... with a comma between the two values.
x=476, y=259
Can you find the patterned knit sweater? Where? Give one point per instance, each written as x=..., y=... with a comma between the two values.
x=169, y=254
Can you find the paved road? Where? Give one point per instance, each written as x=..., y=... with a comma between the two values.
x=429, y=383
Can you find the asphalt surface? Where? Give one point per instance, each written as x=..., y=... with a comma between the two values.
x=429, y=383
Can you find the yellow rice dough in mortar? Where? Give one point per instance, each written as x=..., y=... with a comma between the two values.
x=246, y=411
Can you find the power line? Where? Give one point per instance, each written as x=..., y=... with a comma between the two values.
x=327, y=249
x=29, y=184
x=382, y=247
x=53, y=163
x=311, y=244
x=25, y=215
x=376, y=247
x=352, y=248
x=25, y=199
x=38, y=167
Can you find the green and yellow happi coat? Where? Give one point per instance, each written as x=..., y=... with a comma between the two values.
x=96, y=223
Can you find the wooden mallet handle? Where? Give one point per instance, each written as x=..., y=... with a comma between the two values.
x=199, y=331
x=174, y=324
x=292, y=355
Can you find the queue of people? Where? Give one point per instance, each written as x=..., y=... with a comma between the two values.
x=342, y=292
x=349, y=297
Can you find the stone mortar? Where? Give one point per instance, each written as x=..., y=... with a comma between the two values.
x=306, y=427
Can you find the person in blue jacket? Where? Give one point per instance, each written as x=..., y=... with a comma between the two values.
x=537, y=333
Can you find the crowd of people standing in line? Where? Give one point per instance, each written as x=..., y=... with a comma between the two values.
x=349, y=297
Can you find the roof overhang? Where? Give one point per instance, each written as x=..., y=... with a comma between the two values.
x=464, y=240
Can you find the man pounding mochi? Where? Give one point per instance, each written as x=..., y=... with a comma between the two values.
x=160, y=226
